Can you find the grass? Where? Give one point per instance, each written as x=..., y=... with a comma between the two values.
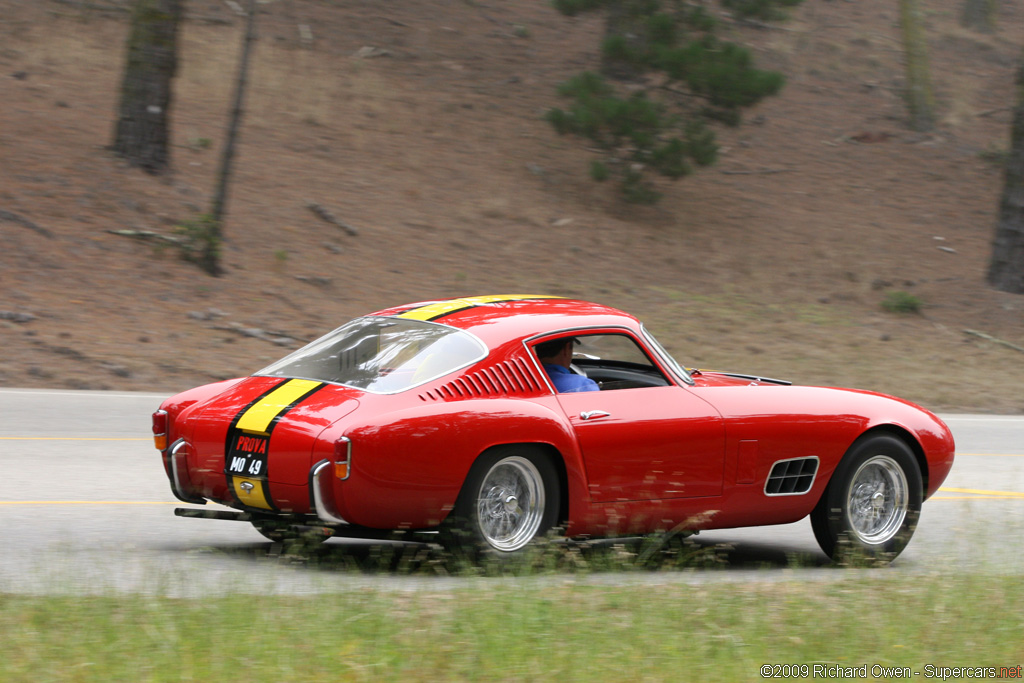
x=526, y=630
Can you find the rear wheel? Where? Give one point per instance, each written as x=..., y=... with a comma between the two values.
x=283, y=532
x=871, y=506
x=510, y=497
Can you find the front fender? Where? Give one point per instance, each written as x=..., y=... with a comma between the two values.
x=933, y=441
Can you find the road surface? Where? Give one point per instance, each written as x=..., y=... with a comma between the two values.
x=85, y=508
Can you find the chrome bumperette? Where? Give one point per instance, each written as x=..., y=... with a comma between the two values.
x=173, y=453
x=323, y=498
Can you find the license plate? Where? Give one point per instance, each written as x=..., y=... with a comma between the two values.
x=248, y=456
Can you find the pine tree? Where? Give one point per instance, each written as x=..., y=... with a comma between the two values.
x=1006, y=267
x=699, y=78
x=141, y=134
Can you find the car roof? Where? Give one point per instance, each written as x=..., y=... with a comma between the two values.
x=507, y=317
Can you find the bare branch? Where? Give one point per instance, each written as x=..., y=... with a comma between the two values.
x=20, y=220
x=149, y=235
x=330, y=218
x=763, y=171
x=992, y=339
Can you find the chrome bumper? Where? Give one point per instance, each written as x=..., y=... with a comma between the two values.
x=321, y=489
x=179, y=486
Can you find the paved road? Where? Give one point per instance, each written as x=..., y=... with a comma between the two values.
x=85, y=507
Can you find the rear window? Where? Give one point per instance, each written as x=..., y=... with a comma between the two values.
x=383, y=355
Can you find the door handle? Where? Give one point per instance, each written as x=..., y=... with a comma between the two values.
x=593, y=414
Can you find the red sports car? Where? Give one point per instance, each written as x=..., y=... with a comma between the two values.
x=501, y=417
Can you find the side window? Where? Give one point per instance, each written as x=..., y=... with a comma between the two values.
x=613, y=361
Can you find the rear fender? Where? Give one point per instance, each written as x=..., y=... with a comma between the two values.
x=438, y=443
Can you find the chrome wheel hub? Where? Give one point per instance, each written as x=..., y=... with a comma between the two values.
x=510, y=505
x=878, y=500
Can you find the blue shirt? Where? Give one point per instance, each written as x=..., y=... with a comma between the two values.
x=566, y=381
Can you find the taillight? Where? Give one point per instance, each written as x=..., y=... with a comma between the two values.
x=160, y=430
x=342, y=457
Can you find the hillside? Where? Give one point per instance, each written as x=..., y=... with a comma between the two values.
x=432, y=145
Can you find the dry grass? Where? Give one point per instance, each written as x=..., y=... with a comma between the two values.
x=439, y=155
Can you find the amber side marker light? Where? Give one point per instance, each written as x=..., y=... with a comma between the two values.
x=160, y=430
x=342, y=457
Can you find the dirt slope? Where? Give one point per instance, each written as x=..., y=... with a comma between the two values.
x=432, y=145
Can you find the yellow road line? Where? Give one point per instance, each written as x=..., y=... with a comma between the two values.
x=85, y=502
x=73, y=438
x=983, y=492
x=976, y=498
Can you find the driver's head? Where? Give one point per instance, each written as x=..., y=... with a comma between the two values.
x=556, y=352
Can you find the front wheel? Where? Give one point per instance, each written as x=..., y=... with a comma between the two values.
x=871, y=506
x=510, y=497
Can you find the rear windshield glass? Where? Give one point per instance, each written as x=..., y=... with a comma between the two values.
x=382, y=355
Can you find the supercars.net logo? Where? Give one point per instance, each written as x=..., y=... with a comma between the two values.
x=878, y=671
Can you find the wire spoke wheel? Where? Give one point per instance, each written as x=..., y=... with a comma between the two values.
x=877, y=500
x=510, y=503
x=870, y=508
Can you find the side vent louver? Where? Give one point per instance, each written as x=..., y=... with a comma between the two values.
x=791, y=477
x=508, y=378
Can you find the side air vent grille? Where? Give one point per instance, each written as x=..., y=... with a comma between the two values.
x=508, y=378
x=791, y=477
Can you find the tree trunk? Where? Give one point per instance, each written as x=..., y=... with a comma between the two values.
x=979, y=15
x=1006, y=269
x=920, y=102
x=627, y=33
x=142, y=134
x=210, y=257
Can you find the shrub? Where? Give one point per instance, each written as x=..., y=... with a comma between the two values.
x=661, y=128
x=901, y=302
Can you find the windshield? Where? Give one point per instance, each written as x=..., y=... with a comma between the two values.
x=382, y=355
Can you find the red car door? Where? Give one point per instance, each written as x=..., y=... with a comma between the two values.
x=648, y=443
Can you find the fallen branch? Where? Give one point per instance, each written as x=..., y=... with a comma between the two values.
x=992, y=339
x=763, y=171
x=762, y=25
x=208, y=19
x=93, y=6
x=393, y=21
x=330, y=218
x=15, y=218
x=997, y=110
x=317, y=280
x=149, y=235
x=16, y=317
x=277, y=338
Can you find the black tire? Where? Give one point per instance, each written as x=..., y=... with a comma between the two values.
x=871, y=506
x=283, y=532
x=510, y=497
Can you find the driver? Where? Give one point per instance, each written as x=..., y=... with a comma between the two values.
x=556, y=356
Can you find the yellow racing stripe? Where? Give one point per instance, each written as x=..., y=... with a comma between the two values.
x=259, y=416
x=441, y=308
